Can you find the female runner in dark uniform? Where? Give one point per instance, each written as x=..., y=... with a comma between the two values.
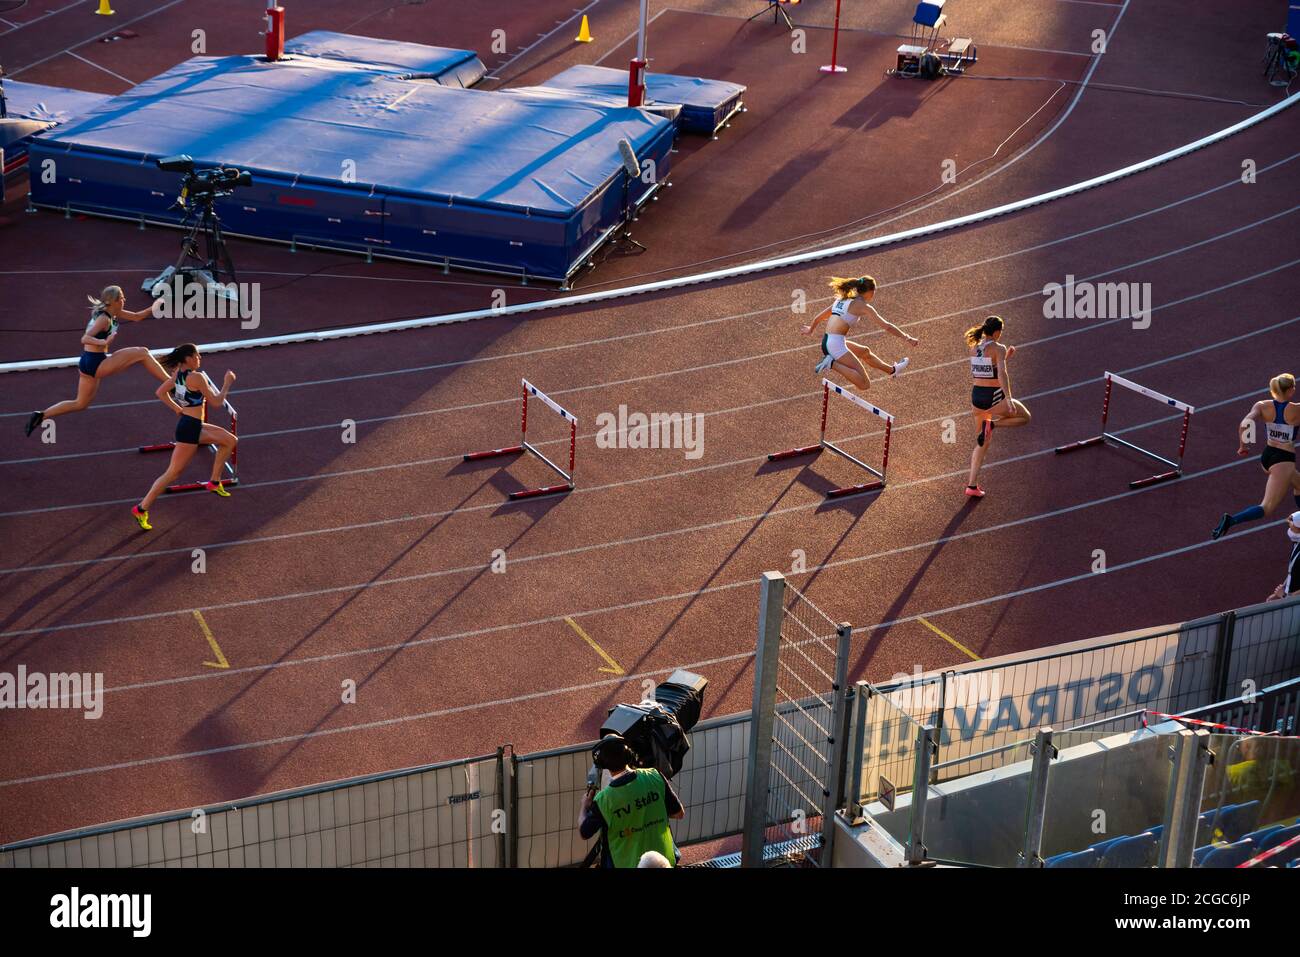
x=1281, y=419
x=96, y=363
x=990, y=397
x=185, y=395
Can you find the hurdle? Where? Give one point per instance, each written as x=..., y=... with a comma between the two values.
x=1175, y=468
x=828, y=388
x=526, y=446
x=232, y=465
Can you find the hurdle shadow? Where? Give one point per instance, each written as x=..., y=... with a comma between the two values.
x=878, y=635
x=393, y=653
x=505, y=483
x=817, y=483
x=601, y=709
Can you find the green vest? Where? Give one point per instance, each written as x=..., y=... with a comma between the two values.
x=636, y=818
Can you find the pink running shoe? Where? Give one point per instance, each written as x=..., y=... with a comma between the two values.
x=974, y=491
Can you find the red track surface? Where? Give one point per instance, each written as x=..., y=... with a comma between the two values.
x=370, y=561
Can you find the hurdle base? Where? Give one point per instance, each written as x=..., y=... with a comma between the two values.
x=792, y=453
x=1082, y=444
x=855, y=489
x=196, y=486
x=492, y=453
x=1154, y=479
x=544, y=490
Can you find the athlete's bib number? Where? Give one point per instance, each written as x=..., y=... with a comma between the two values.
x=1279, y=433
x=981, y=367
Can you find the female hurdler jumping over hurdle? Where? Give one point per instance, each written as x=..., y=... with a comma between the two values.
x=1281, y=418
x=990, y=397
x=850, y=359
x=186, y=395
x=96, y=363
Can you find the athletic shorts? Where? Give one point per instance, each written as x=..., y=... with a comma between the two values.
x=834, y=346
x=188, y=430
x=986, y=396
x=90, y=361
x=1273, y=455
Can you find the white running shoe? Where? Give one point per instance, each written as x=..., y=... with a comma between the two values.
x=900, y=365
x=826, y=363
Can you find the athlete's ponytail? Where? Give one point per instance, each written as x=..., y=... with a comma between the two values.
x=109, y=294
x=173, y=359
x=1280, y=385
x=850, y=288
x=989, y=326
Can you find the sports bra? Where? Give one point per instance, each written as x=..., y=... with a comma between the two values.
x=982, y=366
x=840, y=307
x=112, y=325
x=1278, y=430
x=184, y=396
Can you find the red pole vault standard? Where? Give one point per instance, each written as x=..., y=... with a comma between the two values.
x=1175, y=468
x=274, y=32
x=528, y=389
x=829, y=387
x=636, y=67
x=834, y=66
x=231, y=476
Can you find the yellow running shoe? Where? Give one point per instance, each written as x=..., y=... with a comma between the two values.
x=218, y=487
x=141, y=517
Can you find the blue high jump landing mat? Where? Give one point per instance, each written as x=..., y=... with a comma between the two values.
x=392, y=159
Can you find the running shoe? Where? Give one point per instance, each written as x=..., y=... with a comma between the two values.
x=1225, y=523
x=34, y=420
x=826, y=363
x=900, y=365
x=141, y=517
x=217, y=487
x=974, y=491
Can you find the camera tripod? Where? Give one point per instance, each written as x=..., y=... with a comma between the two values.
x=217, y=269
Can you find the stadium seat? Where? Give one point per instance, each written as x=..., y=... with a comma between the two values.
x=1237, y=820
x=1259, y=836
x=1101, y=847
x=1278, y=836
x=1139, y=851
x=1086, y=858
x=1229, y=855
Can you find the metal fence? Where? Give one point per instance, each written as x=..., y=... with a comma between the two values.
x=442, y=815
x=500, y=811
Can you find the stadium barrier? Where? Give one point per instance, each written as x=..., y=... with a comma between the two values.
x=795, y=259
x=491, y=811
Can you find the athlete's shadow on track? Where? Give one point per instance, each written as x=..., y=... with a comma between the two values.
x=84, y=596
x=195, y=735
x=536, y=509
x=858, y=668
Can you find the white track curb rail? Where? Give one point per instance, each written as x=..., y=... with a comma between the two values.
x=563, y=302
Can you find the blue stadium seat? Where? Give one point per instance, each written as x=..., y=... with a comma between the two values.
x=1229, y=855
x=1139, y=851
x=1259, y=836
x=1086, y=858
x=1101, y=847
x=1237, y=820
x=1279, y=836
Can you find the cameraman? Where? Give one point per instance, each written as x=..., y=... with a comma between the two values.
x=633, y=810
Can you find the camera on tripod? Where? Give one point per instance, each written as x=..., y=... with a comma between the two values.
x=203, y=185
x=200, y=189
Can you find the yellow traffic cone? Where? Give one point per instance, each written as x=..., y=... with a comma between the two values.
x=584, y=31
x=104, y=9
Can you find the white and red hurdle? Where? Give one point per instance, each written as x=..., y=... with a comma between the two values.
x=828, y=388
x=525, y=446
x=1175, y=468
x=231, y=476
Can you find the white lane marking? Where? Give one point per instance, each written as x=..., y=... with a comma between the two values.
x=555, y=692
x=116, y=28
x=920, y=277
x=97, y=66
